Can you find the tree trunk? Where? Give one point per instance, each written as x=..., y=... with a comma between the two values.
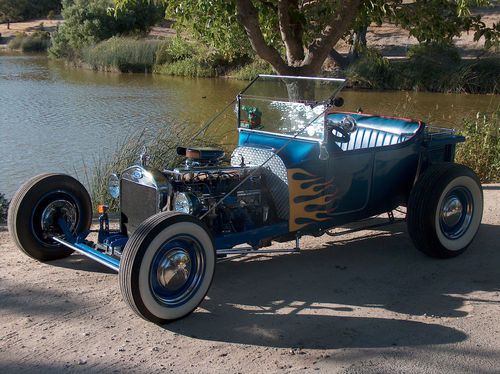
x=298, y=62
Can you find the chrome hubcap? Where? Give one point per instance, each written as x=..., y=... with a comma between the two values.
x=174, y=269
x=456, y=211
x=177, y=270
x=452, y=211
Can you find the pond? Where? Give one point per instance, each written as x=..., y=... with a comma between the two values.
x=54, y=118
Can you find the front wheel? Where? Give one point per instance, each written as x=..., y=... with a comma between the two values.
x=36, y=209
x=167, y=267
x=445, y=210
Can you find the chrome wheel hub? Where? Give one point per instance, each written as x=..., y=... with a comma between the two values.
x=177, y=270
x=455, y=215
x=55, y=210
x=174, y=269
x=452, y=211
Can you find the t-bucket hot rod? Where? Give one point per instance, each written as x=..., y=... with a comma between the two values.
x=300, y=168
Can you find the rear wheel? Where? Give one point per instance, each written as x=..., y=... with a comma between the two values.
x=167, y=267
x=445, y=210
x=36, y=208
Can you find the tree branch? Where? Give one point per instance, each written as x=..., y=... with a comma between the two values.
x=248, y=17
x=291, y=31
x=320, y=47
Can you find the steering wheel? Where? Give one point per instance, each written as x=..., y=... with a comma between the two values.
x=345, y=127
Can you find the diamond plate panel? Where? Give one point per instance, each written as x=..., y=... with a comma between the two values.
x=275, y=171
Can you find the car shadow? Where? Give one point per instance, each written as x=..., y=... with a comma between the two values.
x=82, y=263
x=376, y=290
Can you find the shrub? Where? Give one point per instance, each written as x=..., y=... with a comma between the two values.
x=189, y=59
x=87, y=22
x=175, y=49
x=372, y=70
x=190, y=67
x=481, y=151
x=430, y=67
x=122, y=54
x=4, y=207
x=39, y=41
x=251, y=70
x=17, y=41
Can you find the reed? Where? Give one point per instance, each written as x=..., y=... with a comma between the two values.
x=481, y=151
x=126, y=55
x=161, y=145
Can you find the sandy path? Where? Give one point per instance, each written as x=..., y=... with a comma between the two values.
x=365, y=303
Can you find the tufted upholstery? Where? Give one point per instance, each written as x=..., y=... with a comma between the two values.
x=376, y=131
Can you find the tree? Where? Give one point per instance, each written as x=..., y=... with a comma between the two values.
x=10, y=11
x=305, y=31
x=19, y=10
x=88, y=22
x=296, y=36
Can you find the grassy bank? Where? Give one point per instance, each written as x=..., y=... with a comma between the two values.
x=427, y=68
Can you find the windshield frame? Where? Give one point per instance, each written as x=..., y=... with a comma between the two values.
x=312, y=103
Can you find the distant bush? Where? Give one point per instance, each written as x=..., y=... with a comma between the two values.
x=4, y=207
x=251, y=70
x=430, y=67
x=87, y=22
x=372, y=70
x=39, y=41
x=185, y=58
x=190, y=67
x=122, y=54
x=51, y=15
x=175, y=49
x=17, y=41
x=481, y=151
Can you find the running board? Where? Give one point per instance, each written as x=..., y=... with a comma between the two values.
x=91, y=253
x=254, y=251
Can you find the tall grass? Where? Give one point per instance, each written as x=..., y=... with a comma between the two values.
x=481, y=151
x=250, y=71
x=126, y=55
x=161, y=146
x=190, y=67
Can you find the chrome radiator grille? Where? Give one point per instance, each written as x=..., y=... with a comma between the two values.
x=137, y=203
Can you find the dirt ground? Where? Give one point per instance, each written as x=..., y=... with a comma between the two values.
x=360, y=303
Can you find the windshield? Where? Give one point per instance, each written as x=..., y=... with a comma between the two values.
x=286, y=105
